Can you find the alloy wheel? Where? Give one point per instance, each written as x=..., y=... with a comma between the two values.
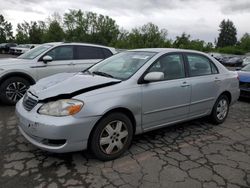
x=113, y=137
x=222, y=109
x=15, y=91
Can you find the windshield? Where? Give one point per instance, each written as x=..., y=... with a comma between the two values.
x=121, y=66
x=35, y=52
x=246, y=68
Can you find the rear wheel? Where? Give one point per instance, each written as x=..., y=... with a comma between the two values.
x=111, y=137
x=13, y=89
x=220, y=110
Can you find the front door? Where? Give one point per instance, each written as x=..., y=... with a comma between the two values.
x=166, y=101
x=63, y=61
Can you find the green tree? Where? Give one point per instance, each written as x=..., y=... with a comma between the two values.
x=245, y=42
x=227, y=35
x=55, y=32
x=6, y=33
x=22, y=35
x=122, y=39
x=148, y=36
x=36, y=33
x=90, y=27
x=182, y=41
x=102, y=29
x=76, y=26
x=32, y=32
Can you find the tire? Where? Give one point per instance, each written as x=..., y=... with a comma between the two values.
x=220, y=110
x=13, y=89
x=118, y=131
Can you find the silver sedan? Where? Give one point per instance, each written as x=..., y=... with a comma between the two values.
x=130, y=93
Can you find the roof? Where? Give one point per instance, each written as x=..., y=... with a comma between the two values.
x=158, y=50
x=77, y=43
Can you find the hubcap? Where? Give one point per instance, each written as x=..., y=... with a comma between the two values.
x=113, y=137
x=15, y=91
x=222, y=109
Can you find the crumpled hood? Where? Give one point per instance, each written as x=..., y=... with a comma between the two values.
x=12, y=61
x=67, y=85
x=244, y=76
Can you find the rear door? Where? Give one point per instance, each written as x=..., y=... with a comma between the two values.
x=166, y=101
x=86, y=56
x=205, y=83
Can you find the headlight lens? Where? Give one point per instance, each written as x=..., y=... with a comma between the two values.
x=64, y=107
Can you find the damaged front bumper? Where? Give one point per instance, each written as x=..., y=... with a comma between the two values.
x=54, y=134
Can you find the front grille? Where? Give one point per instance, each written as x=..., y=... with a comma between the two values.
x=29, y=103
x=245, y=85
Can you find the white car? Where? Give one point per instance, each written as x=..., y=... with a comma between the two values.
x=21, y=49
x=17, y=74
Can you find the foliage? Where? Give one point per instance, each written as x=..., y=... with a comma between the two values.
x=32, y=32
x=245, y=42
x=147, y=36
x=79, y=26
x=54, y=33
x=228, y=34
x=6, y=33
x=231, y=50
x=90, y=27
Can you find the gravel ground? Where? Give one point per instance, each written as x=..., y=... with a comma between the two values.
x=192, y=154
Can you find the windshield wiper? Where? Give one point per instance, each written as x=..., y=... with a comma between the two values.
x=103, y=74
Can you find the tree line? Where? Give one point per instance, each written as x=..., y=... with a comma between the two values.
x=79, y=26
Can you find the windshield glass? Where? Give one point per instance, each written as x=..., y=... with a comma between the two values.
x=246, y=68
x=35, y=52
x=121, y=66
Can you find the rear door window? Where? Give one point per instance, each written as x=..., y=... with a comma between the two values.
x=200, y=65
x=89, y=52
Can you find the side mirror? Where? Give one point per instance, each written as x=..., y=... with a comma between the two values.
x=154, y=76
x=47, y=59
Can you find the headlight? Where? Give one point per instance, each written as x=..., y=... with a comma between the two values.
x=64, y=107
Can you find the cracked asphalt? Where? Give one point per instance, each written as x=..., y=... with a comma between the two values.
x=192, y=154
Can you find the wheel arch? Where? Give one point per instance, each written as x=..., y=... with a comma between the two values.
x=228, y=94
x=122, y=110
x=17, y=74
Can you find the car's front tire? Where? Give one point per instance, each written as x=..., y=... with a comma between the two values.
x=13, y=89
x=111, y=136
x=220, y=110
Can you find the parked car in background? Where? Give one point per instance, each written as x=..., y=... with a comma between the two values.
x=244, y=78
x=22, y=48
x=17, y=74
x=233, y=61
x=246, y=61
x=132, y=92
x=5, y=47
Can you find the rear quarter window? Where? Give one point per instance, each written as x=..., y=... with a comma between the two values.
x=89, y=52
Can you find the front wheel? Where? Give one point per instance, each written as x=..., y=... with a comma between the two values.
x=13, y=89
x=220, y=110
x=111, y=137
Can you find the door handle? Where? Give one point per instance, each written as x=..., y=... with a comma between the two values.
x=216, y=79
x=71, y=63
x=185, y=84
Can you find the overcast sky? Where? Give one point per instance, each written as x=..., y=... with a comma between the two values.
x=200, y=18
